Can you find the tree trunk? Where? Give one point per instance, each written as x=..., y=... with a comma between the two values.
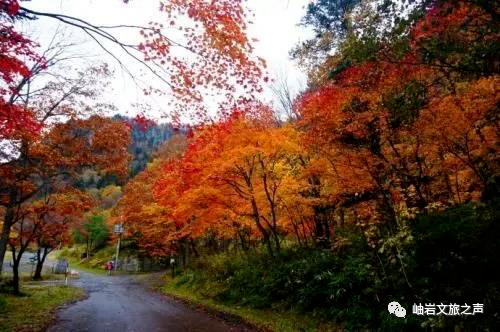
x=342, y=217
x=326, y=227
x=321, y=227
x=305, y=231
x=4, y=238
x=265, y=234
x=183, y=251
x=319, y=231
x=296, y=230
x=39, y=263
x=186, y=250
x=15, y=278
x=267, y=241
x=276, y=241
x=193, y=248
x=242, y=239
x=15, y=269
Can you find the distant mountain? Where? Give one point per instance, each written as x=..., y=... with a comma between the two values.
x=145, y=141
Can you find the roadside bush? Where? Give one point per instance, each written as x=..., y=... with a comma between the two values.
x=456, y=261
x=452, y=258
x=102, y=256
x=337, y=287
x=3, y=304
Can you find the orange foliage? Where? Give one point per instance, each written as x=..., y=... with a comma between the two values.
x=384, y=140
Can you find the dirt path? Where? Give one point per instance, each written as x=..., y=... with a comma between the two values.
x=119, y=303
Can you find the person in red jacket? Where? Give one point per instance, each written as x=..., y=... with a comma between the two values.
x=109, y=267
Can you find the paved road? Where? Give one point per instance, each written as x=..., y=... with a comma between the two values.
x=119, y=303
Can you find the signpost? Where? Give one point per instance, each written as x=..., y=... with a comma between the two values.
x=172, y=263
x=118, y=229
x=33, y=261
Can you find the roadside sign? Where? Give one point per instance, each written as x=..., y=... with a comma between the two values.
x=118, y=229
x=33, y=259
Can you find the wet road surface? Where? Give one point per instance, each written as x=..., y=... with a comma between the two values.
x=120, y=304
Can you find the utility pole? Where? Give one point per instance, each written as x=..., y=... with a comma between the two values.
x=118, y=229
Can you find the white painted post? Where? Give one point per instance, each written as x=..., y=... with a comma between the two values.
x=118, y=251
x=118, y=229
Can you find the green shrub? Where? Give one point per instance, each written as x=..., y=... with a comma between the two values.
x=451, y=258
x=335, y=287
x=3, y=304
x=456, y=261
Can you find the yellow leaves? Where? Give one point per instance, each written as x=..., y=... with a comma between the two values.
x=463, y=126
x=453, y=117
x=152, y=210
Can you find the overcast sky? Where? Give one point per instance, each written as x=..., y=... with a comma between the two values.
x=275, y=25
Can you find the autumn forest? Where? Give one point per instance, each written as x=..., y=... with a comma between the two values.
x=379, y=181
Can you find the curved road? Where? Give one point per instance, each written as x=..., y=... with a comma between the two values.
x=118, y=303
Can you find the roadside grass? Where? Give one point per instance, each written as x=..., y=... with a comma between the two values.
x=93, y=265
x=72, y=256
x=34, y=310
x=28, y=277
x=83, y=266
x=272, y=319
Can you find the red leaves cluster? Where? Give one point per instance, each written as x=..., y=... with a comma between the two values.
x=212, y=55
x=387, y=123
x=141, y=122
x=15, y=119
x=15, y=51
x=10, y=7
x=13, y=46
x=213, y=35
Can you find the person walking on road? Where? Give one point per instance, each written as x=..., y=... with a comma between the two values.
x=109, y=267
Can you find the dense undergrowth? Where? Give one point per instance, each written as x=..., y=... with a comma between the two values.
x=448, y=257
